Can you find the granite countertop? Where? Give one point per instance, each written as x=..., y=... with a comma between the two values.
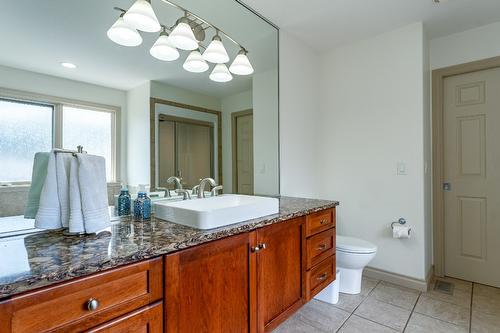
x=36, y=260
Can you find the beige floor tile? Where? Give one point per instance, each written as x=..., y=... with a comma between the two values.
x=294, y=325
x=324, y=316
x=482, y=290
x=349, y=302
x=451, y=313
x=383, y=313
x=485, y=323
x=422, y=324
x=486, y=304
x=357, y=324
x=459, y=297
x=459, y=284
x=395, y=295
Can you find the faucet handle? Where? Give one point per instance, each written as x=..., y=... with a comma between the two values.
x=214, y=191
x=185, y=194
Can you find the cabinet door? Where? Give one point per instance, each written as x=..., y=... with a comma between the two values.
x=145, y=320
x=211, y=287
x=280, y=267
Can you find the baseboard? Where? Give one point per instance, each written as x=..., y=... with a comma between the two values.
x=402, y=280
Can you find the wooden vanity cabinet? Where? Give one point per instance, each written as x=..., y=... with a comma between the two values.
x=280, y=267
x=211, y=287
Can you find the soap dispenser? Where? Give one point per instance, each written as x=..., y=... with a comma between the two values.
x=142, y=205
x=124, y=202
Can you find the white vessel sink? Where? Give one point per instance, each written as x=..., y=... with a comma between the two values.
x=216, y=211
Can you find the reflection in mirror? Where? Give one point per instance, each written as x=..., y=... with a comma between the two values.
x=197, y=97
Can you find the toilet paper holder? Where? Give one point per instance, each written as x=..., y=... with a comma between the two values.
x=401, y=221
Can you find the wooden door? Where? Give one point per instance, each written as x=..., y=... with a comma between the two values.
x=211, y=288
x=145, y=320
x=243, y=152
x=472, y=169
x=280, y=268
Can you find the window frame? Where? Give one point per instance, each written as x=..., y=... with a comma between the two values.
x=58, y=104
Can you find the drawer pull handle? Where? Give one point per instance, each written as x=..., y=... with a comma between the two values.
x=322, y=247
x=323, y=221
x=92, y=304
x=322, y=277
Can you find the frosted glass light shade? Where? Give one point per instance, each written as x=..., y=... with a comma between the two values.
x=182, y=37
x=241, y=65
x=216, y=52
x=220, y=74
x=142, y=17
x=195, y=63
x=163, y=50
x=124, y=34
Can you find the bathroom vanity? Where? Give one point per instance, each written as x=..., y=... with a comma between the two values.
x=164, y=277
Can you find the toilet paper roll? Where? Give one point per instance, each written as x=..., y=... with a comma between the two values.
x=401, y=231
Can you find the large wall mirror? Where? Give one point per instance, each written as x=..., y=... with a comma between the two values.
x=76, y=73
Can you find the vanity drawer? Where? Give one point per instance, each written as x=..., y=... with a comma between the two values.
x=320, y=221
x=84, y=303
x=320, y=247
x=320, y=276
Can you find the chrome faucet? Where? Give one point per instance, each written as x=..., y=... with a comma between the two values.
x=214, y=191
x=195, y=189
x=167, y=191
x=203, y=183
x=176, y=181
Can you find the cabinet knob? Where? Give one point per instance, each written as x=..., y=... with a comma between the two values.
x=322, y=276
x=322, y=247
x=92, y=304
x=258, y=247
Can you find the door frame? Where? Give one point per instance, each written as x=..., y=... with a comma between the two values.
x=438, y=76
x=234, y=146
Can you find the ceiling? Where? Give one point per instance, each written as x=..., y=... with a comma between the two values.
x=42, y=34
x=326, y=24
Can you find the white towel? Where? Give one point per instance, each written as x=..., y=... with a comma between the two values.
x=93, y=192
x=49, y=212
x=76, y=224
x=63, y=162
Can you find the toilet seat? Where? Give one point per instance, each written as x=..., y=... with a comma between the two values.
x=354, y=245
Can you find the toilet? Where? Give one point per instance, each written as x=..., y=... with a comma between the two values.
x=353, y=254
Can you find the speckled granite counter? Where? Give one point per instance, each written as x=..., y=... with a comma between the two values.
x=37, y=260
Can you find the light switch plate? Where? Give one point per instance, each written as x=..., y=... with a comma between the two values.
x=401, y=169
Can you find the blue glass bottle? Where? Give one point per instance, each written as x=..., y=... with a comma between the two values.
x=124, y=202
x=142, y=205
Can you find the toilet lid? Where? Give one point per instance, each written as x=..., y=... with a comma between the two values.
x=354, y=245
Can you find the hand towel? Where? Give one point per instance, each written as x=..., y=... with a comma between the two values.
x=94, y=192
x=49, y=213
x=63, y=161
x=40, y=164
x=76, y=224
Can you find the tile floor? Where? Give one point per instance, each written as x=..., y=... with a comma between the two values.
x=383, y=307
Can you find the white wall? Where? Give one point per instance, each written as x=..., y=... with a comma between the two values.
x=299, y=119
x=26, y=81
x=179, y=95
x=265, y=132
x=230, y=104
x=372, y=117
x=475, y=44
x=138, y=161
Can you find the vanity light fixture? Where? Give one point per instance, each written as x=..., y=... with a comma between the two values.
x=195, y=63
x=188, y=33
x=142, y=16
x=163, y=49
x=220, y=74
x=216, y=52
x=68, y=65
x=124, y=34
x=241, y=65
x=182, y=36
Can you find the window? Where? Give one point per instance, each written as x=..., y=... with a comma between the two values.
x=28, y=127
x=91, y=129
x=25, y=128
